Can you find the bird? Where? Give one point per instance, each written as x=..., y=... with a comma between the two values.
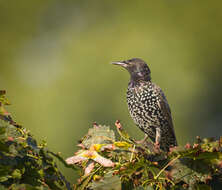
x=148, y=105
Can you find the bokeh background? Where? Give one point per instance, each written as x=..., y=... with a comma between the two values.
x=55, y=55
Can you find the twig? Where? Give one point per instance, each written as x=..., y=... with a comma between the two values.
x=119, y=128
x=166, y=167
x=131, y=157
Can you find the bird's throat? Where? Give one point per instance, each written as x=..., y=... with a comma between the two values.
x=137, y=81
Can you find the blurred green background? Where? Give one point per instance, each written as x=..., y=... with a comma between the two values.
x=55, y=55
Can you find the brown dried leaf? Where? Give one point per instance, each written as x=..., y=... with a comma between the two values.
x=89, y=168
x=76, y=159
x=104, y=161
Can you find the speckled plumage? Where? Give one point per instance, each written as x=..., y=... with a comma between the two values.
x=148, y=106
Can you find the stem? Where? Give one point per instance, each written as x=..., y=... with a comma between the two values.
x=131, y=157
x=166, y=167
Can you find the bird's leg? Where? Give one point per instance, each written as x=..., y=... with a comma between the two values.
x=143, y=140
x=158, y=137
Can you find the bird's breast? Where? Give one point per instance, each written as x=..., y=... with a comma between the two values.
x=143, y=104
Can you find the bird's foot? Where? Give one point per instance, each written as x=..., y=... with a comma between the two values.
x=157, y=147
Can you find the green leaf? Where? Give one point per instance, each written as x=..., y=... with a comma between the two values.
x=99, y=135
x=4, y=178
x=16, y=174
x=202, y=187
x=3, y=188
x=109, y=182
x=209, y=156
x=3, y=99
x=4, y=147
x=190, y=171
x=2, y=130
x=27, y=187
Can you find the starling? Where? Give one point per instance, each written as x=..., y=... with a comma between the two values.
x=148, y=105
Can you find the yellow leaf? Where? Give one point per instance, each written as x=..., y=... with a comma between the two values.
x=122, y=144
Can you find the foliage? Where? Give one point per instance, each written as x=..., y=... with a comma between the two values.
x=106, y=161
x=111, y=163
x=25, y=164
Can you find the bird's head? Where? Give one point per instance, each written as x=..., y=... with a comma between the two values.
x=137, y=68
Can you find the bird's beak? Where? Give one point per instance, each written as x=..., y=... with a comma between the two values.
x=123, y=64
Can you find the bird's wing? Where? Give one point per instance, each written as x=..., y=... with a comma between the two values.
x=164, y=106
